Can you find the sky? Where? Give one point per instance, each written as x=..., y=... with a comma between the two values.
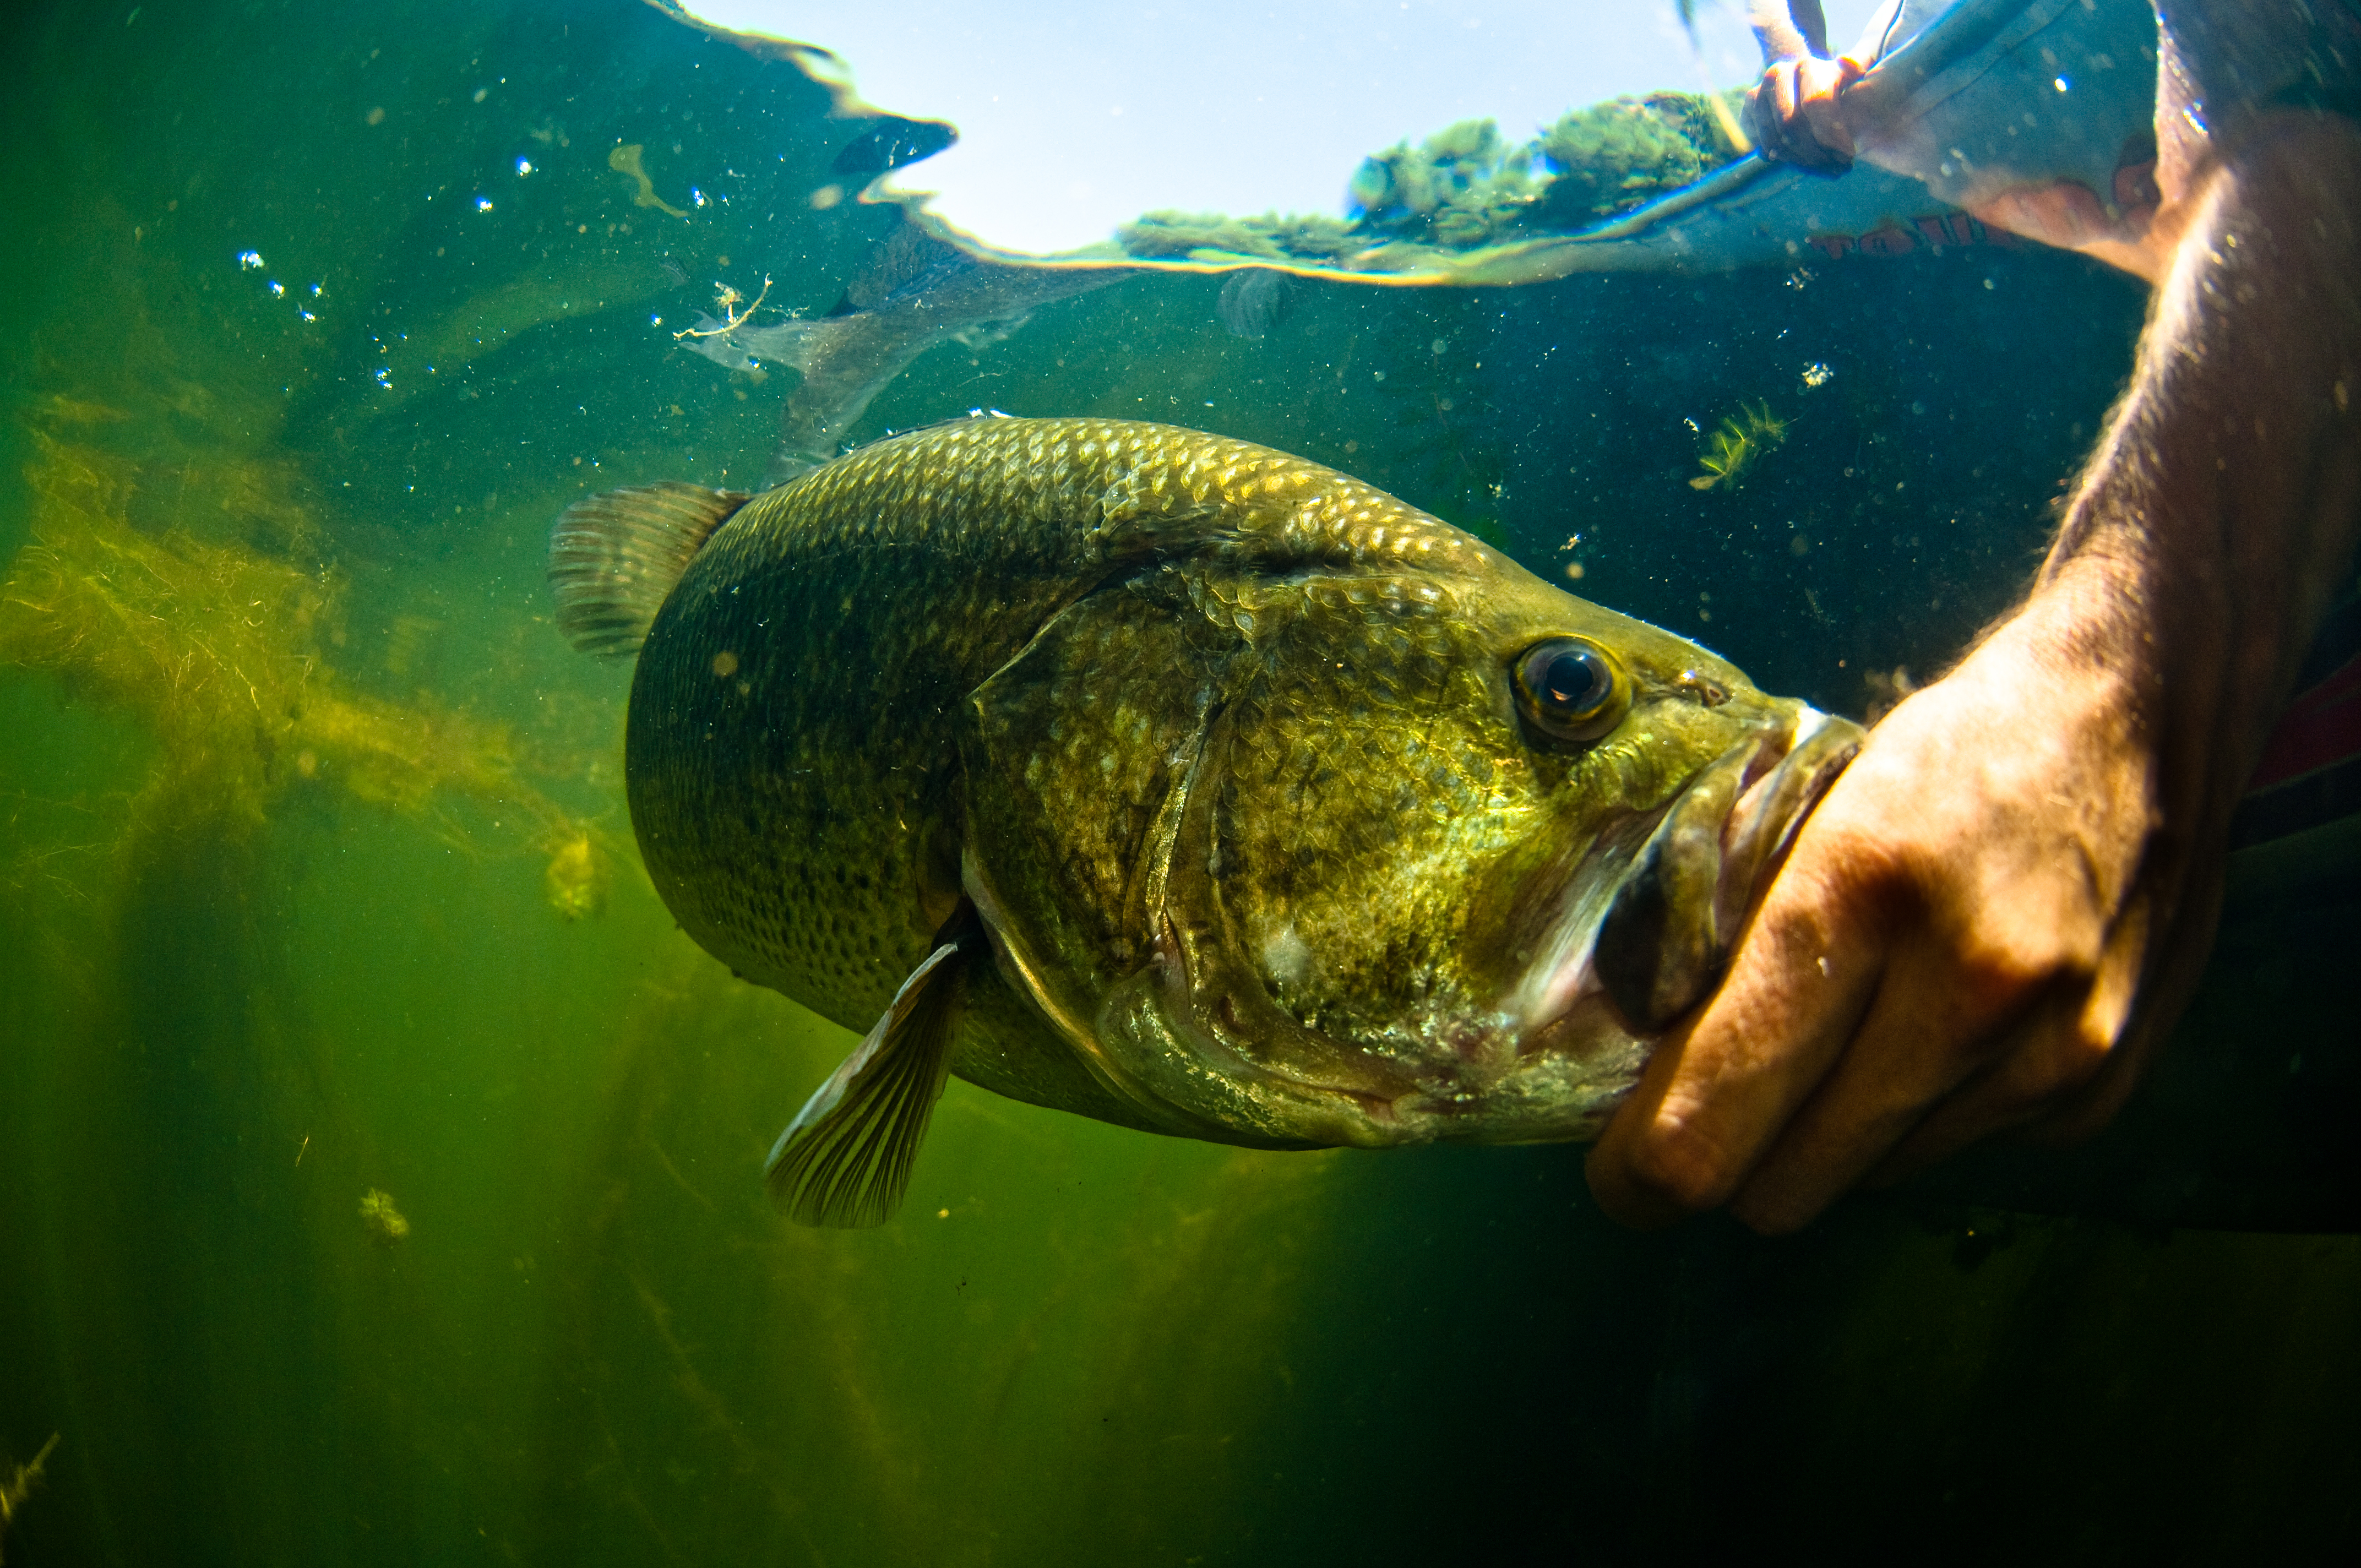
x=1074, y=120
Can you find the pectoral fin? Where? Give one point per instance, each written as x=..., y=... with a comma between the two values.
x=845, y=1159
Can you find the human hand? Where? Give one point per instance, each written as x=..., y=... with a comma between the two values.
x=1792, y=113
x=1952, y=947
x=1956, y=942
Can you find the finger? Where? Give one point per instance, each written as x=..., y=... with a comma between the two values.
x=1714, y=1097
x=1818, y=88
x=1825, y=122
x=1807, y=141
x=1754, y=114
x=2043, y=1056
x=1787, y=88
x=1627, y=1191
x=2172, y=971
x=1761, y=119
x=2069, y=1062
x=1924, y=1035
x=1777, y=92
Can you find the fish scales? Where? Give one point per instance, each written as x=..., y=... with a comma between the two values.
x=851, y=610
x=1177, y=781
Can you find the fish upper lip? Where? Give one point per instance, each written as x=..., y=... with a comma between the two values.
x=1751, y=814
x=1785, y=767
x=1784, y=780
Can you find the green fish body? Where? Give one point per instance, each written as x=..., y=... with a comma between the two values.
x=1173, y=780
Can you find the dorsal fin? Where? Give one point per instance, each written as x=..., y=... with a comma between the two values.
x=845, y=1159
x=614, y=557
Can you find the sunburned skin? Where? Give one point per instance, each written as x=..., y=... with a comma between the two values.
x=2002, y=906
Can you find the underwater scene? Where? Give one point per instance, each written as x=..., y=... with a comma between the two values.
x=384, y=1129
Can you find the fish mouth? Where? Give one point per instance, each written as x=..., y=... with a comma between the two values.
x=1668, y=932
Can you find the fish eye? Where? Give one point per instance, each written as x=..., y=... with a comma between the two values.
x=1571, y=689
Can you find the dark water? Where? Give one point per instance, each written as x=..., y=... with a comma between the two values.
x=294, y=778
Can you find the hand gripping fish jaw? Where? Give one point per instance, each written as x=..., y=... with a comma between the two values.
x=1172, y=780
x=1669, y=932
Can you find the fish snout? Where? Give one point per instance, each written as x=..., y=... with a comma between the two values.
x=1668, y=932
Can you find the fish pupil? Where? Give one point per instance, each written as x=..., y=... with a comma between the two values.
x=1574, y=682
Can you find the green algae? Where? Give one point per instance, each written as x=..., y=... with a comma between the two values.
x=20, y=1486
x=1462, y=187
x=220, y=651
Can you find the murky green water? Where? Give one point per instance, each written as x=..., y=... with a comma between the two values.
x=294, y=776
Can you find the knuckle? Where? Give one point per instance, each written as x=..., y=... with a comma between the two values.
x=1679, y=1165
x=2008, y=956
x=1997, y=974
x=2059, y=1054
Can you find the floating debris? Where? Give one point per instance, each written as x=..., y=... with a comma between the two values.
x=1255, y=300
x=386, y=1225
x=726, y=299
x=576, y=880
x=1887, y=690
x=625, y=161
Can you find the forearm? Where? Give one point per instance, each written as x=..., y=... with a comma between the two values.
x=2221, y=510
x=1996, y=912
x=2219, y=516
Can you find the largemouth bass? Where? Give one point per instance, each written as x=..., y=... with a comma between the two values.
x=1173, y=780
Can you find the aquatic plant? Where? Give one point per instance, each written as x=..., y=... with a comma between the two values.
x=386, y=1224
x=575, y=882
x=1613, y=157
x=1735, y=445
x=216, y=649
x=19, y=1487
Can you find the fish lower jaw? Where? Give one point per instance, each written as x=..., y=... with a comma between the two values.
x=1561, y=1088
x=1468, y=1080
x=1784, y=779
x=1478, y=1079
